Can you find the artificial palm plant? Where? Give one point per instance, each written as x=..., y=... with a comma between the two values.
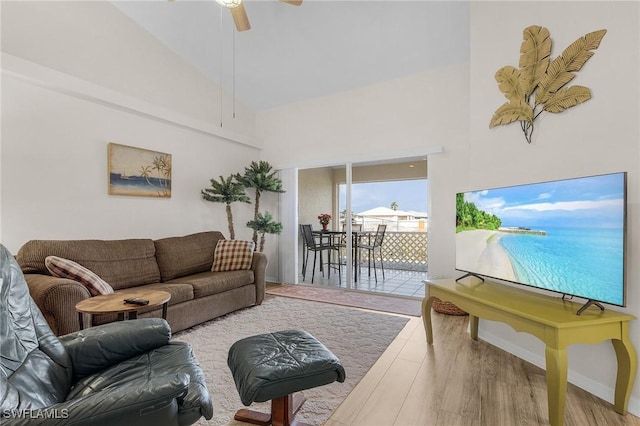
x=259, y=175
x=226, y=191
x=264, y=224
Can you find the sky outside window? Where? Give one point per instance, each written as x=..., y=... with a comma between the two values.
x=410, y=195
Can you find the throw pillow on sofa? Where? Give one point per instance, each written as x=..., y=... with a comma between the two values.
x=65, y=268
x=232, y=255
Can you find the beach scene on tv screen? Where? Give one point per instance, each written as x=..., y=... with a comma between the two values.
x=566, y=236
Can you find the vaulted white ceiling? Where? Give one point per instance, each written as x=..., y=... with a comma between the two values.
x=323, y=47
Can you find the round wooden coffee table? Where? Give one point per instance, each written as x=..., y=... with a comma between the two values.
x=114, y=303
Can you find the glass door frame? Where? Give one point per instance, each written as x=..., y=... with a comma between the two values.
x=288, y=256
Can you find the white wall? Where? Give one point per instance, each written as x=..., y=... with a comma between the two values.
x=77, y=75
x=94, y=41
x=405, y=116
x=315, y=194
x=54, y=165
x=452, y=107
x=402, y=118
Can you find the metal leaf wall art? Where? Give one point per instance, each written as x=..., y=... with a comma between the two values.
x=539, y=84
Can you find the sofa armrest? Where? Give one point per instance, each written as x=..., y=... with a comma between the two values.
x=57, y=298
x=97, y=348
x=259, y=268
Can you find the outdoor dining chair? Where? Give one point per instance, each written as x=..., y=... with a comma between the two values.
x=339, y=246
x=315, y=246
x=304, y=250
x=371, y=247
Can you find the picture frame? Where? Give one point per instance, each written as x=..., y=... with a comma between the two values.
x=138, y=172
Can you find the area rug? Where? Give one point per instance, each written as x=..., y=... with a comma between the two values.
x=376, y=302
x=357, y=337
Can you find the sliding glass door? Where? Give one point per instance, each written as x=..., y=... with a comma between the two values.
x=363, y=199
x=318, y=197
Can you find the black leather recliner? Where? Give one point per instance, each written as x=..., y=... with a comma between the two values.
x=124, y=373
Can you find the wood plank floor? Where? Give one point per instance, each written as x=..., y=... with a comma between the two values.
x=460, y=382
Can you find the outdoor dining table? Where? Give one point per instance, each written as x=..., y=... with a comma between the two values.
x=356, y=235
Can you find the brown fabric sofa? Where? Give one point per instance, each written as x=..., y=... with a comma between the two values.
x=178, y=265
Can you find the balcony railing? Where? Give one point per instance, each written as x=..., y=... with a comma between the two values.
x=405, y=251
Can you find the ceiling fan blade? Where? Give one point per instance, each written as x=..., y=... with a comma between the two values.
x=240, y=18
x=292, y=2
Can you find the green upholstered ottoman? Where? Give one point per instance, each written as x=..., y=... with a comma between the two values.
x=273, y=366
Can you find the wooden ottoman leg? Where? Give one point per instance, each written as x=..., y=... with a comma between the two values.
x=283, y=411
x=253, y=417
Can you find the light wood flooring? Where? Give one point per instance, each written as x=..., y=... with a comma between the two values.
x=458, y=381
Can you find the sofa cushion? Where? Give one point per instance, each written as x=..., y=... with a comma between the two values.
x=233, y=255
x=65, y=268
x=179, y=292
x=207, y=283
x=182, y=256
x=121, y=263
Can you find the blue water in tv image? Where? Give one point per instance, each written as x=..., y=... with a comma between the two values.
x=565, y=236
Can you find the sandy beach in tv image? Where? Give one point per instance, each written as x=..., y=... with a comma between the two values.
x=566, y=236
x=478, y=251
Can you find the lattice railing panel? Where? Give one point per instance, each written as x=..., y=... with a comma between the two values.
x=405, y=250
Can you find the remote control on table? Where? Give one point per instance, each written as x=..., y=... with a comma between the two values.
x=136, y=301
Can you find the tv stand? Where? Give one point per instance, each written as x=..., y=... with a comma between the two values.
x=470, y=274
x=550, y=319
x=589, y=303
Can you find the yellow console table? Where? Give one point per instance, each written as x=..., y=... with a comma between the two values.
x=552, y=320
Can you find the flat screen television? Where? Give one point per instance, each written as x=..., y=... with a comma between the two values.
x=566, y=236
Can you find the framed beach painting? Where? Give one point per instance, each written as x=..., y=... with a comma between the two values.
x=138, y=172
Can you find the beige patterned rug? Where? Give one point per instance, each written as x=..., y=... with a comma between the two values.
x=357, y=299
x=357, y=337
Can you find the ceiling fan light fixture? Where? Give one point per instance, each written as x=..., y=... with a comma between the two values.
x=229, y=3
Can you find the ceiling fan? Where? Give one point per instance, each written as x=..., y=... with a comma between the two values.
x=239, y=14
